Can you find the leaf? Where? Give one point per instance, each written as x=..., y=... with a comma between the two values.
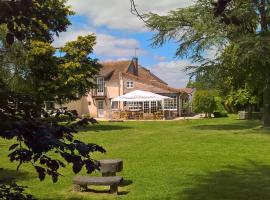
x=77, y=167
x=10, y=38
x=13, y=146
x=41, y=172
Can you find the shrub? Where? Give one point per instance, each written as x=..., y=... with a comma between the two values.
x=63, y=118
x=204, y=101
x=218, y=114
x=220, y=110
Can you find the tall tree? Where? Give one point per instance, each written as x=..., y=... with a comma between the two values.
x=239, y=30
x=28, y=58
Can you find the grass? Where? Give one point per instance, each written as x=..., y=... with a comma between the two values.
x=212, y=159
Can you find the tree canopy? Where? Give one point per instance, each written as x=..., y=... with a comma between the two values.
x=33, y=72
x=34, y=19
x=238, y=31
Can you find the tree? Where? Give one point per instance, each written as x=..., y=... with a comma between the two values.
x=34, y=69
x=31, y=60
x=238, y=29
x=204, y=101
x=34, y=18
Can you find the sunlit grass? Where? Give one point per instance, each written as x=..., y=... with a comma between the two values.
x=190, y=160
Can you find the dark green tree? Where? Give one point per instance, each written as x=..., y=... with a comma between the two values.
x=239, y=30
x=34, y=18
x=30, y=74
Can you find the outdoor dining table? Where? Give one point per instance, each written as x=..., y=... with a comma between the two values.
x=109, y=167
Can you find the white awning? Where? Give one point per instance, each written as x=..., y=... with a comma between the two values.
x=140, y=96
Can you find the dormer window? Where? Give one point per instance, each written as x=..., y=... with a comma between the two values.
x=130, y=84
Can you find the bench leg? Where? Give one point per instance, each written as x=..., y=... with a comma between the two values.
x=76, y=188
x=79, y=188
x=114, y=189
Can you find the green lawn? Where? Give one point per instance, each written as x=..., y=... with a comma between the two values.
x=210, y=159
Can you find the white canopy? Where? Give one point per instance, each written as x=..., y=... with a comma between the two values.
x=139, y=95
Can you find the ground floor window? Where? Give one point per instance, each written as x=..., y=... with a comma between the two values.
x=154, y=106
x=146, y=107
x=171, y=104
x=133, y=105
x=115, y=105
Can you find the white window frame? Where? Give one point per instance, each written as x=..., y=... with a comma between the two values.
x=100, y=86
x=134, y=105
x=170, y=104
x=130, y=84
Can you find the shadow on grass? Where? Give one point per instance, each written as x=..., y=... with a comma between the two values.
x=125, y=183
x=234, y=126
x=104, y=127
x=8, y=176
x=251, y=182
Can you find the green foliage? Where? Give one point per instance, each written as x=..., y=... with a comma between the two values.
x=30, y=74
x=34, y=69
x=27, y=19
x=238, y=29
x=241, y=97
x=77, y=69
x=204, y=101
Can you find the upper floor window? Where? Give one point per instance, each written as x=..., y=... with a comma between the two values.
x=100, y=85
x=130, y=84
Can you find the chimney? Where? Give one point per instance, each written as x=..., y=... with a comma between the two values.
x=136, y=65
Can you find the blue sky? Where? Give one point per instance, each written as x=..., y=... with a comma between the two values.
x=119, y=33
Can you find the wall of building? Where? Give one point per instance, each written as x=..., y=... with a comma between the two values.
x=88, y=105
x=112, y=91
x=81, y=106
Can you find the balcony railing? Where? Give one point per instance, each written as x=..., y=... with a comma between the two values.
x=99, y=93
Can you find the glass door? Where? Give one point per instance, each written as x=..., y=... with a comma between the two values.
x=100, y=109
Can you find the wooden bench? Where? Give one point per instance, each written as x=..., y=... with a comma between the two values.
x=81, y=182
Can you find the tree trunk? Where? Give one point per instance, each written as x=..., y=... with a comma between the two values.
x=266, y=104
x=266, y=93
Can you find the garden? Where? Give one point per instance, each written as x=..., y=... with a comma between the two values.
x=222, y=158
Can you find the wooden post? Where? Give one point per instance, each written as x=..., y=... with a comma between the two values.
x=163, y=109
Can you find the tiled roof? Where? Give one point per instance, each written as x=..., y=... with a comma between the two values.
x=186, y=90
x=112, y=70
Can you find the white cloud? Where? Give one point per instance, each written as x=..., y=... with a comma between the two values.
x=116, y=14
x=172, y=72
x=107, y=45
x=116, y=47
x=71, y=34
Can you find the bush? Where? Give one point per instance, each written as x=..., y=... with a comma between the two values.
x=86, y=116
x=63, y=118
x=220, y=109
x=218, y=114
x=204, y=101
